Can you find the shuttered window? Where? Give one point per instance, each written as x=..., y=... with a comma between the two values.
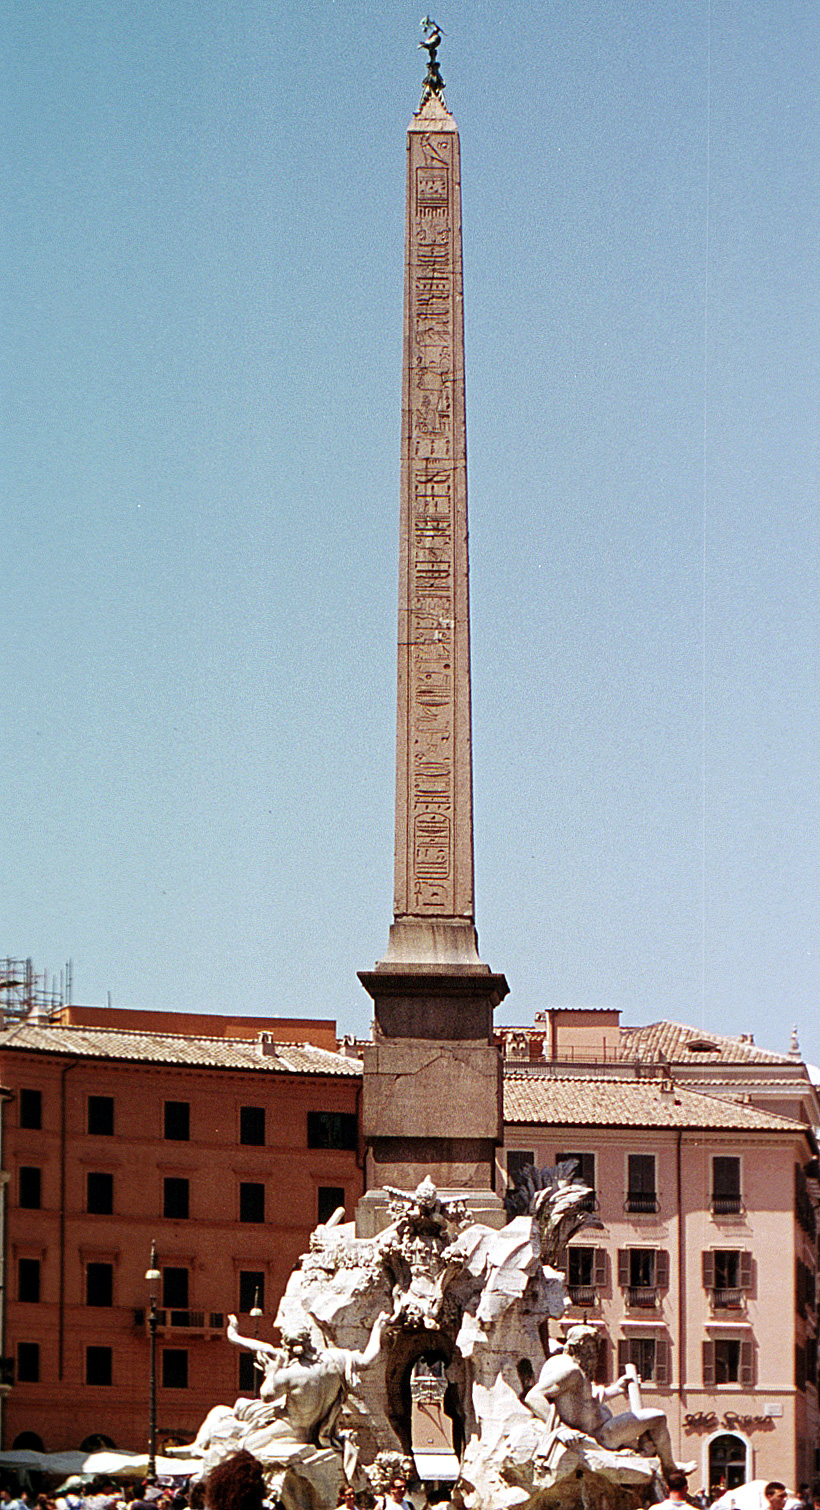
x=727, y=1360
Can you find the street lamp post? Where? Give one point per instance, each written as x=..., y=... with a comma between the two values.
x=153, y=1277
x=256, y=1313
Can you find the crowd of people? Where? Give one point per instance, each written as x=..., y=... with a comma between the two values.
x=238, y=1483
x=104, y=1494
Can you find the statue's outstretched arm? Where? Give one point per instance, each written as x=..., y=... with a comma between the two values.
x=252, y=1343
x=375, y=1341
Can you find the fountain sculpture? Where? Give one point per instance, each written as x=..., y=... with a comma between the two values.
x=529, y=1426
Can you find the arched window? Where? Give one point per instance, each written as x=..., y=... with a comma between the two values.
x=95, y=1442
x=28, y=1440
x=727, y=1462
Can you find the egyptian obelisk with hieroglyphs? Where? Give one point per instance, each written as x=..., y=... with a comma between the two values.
x=432, y=1076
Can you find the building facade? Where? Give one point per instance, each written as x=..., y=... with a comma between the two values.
x=225, y=1150
x=702, y=1160
x=225, y=1143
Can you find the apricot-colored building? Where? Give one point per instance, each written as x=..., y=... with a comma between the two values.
x=700, y=1151
x=226, y=1149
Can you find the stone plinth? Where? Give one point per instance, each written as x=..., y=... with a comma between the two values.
x=432, y=1101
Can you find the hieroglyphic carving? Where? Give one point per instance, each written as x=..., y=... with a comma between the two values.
x=431, y=563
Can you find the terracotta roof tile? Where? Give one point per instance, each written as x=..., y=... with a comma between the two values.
x=574, y=1101
x=171, y=1048
x=674, y=1041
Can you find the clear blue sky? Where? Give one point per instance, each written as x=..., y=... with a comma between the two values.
x=202, y=273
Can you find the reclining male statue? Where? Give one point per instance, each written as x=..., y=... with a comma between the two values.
x=566, y=1398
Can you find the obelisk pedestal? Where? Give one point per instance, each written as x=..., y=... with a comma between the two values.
x=432, y=1100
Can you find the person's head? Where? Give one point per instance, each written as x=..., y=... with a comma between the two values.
x=236, y=1484
x=196, y=1494
x=775, y=1494
x=582, y=1345
x=398, y=1485
x=676, y=1482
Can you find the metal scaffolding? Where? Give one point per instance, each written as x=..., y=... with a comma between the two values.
x=24, y=993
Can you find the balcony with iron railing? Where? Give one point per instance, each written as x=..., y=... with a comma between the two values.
x=583, y=1295
x=641, y=1200
x=726, y=1205
x=728, y=1300
x=642, y=1297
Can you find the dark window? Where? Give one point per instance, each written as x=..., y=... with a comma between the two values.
x=178, y=1120
x=175, y=1289
x=650, y=1356
x=727, y=1360
x=803, y=1207
x=101, y=1116
x=252, y=1125
x=641, y=1268
x=641, y=1194
x=725, y=1184
x=28, y=1362
x=29, y=1187
x=643, y=1356
x=727, y=1269
x=248, y=1377
x=641, y=1273
x=331, y=1197
x=251, y=1201
x=518, y=1159
x=31, y=1109
x=28, y=1280
x=175, y=1368
x=100, y=1194
x=175, y=1198
x=99, y=1284
x=727, y=1272
x=584, y=1167
x=332, y=1130
x=251, y=1290
x=586, y=1274
x=98, y=1365
x=811, y=1360
x=580, y=1266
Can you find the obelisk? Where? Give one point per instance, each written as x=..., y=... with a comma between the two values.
x=432, y=1075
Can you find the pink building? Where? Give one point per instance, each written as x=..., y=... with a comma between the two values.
x=703, y=1161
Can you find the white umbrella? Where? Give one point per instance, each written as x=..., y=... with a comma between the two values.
x=130, y=1465
x=749, y=1496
